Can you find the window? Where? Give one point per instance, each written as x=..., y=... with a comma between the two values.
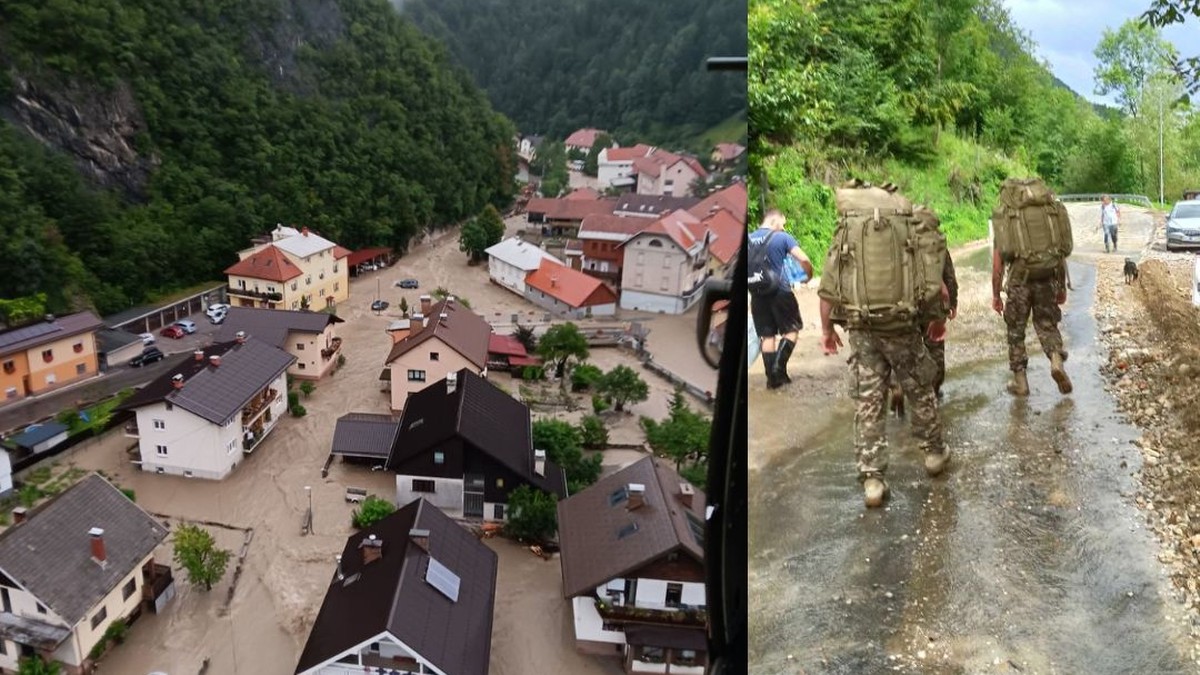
x=161, y=450
x=160, y=424
x=666, y=283
x=3, y=648
x=439, y=457
x=674, y=594
x=170, y=406
x=422, y=485
x=51, y=378
x=80, y=368
x=48, y=355
x=300, y=365
x=612, y=627
x=300, y=346
x=230, y=447
x=40, y=608
x=654, y=243
x=498, y=512
x=617, y=497
x=10, y=367
x=335, y=270
x=78, y=347
x=295, y=303
x=294, y=284
x=499, y=482
x=129, y=588
x=242, y=284
x=434, y=356
x=308, y=280
x=337, y=285
x=416, y=376
x=99, y=617
x=11, y=392
x=627, y=530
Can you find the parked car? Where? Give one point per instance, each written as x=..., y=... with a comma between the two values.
x=379, y=305
x=172, y=331
x=1183, y=225
x=148, y=355
x=216, y=308
x=408, y=283
x=368, y=267
x=147, y=338
x=187, y=326
x=219, y=317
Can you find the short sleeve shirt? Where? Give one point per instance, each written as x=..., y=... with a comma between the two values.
x=1108, y=213
x=777, y=248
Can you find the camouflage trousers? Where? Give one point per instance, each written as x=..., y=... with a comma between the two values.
x=937, y=351
x=1039, y=298
x=903, y=357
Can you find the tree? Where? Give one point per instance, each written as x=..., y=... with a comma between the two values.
x=35, y=665
x=524, y=335
x=473, y=240
x=622, y=385
x=532, y=514
x=307, y=387
x=373, y=510
x=682, y=436
x=584, y=376
x=305, y=304
x=591, y=164
x=1166, y=12
x=493, y=224
x=1127, y=59
x=403, y=307
x=563, y=446
x=16, y=311
x=593, y=433
x=561, y=343
x=196, y=552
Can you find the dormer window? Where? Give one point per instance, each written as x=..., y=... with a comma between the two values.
x=48, y=355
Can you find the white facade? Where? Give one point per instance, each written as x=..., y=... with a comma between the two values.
x=609, y=172
x=512, y=259
x=175, y=441
x=377, y=652
x=659, y=276
x=560, y=308
x=6, y=484
x=447, y=493
x=673, y=181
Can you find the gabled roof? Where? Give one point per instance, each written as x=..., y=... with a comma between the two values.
x=727, y=235
x=506, y=345
x=583, y=138
x=50, y=553
x=611, y=227
x=593, y=553
x=21, y=338
x=462, y=330
x=650, y=206
x=627, y=154
x=483, y=415
x=268, y=263
x=272, y=325
x=391, y=595
x=655, y=163
x=682, y=227
x=36, y=433
x=365, y=254
x=365, y=435
x=731, y=198
x=340, y=252
x=569, y=209
x=304, y=243
x=520, y=254
x=568, y=286
x=729, y=151
x=217, y=393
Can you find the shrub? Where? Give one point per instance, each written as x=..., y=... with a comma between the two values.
x=585, y=376
x=593, y=433
x=298, y=411
x=533, y=373
x=117, y=631
x=599, y=404
x=129, y=493
x=341, y=360
x=373, y=510
x=307, y=388
x=532, y=514
x=293, y=399
x=28, y=495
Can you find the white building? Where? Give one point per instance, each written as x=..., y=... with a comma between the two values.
x=200, y=418
x=665, y=265
x=510, y=261
x=614, y=166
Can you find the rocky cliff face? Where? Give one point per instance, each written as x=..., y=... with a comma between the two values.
x=94, y=126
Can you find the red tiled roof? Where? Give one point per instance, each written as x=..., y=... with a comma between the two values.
x=363, y=255
x=727, y=232
x=524, y=361
x=732, y=199
x=583, y=137
x=569, y=209
x=340, y=252
x=627, y=154
x=682, y=227
x=505, y=344
x=729, y=151
x=268, y=264
x=654, y=164
x=611, y=224
x=584, y=193
x=568, y=286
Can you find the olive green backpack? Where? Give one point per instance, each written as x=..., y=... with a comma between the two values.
x=1032, y=228
x=884, y=268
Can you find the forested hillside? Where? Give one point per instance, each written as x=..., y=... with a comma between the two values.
x=204, y=123
x=632, y=67
x=944, y=98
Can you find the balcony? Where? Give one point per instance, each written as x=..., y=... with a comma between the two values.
x=257, y=405
x=132, y=431
x=680, y=616
x=335, y=345
x=257, y=295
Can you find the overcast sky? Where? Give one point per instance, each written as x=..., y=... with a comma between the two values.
x=1067, y=32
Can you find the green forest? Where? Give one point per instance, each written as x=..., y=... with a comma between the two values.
x=335, y=114
x=631, y=67
x=946, y=99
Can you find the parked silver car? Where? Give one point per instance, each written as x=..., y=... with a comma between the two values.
x=1183, y=225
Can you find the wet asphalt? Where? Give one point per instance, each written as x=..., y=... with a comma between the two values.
x=1027, y=556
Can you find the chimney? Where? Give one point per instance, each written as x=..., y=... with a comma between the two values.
x=98, y=552
x=304, y=231
x=426, y=304
x=177, y=381
x=372, y=548
x=215, y=360
x=420, y=538
x=241, y=337
x=637, y=496
x=417, y=318
x=539, y=462
x=443, y=316
x=451, y=382
x=686, y=492
x=340, y=575
x=198, y=355
x=18, y=515
x=553, y=282
x=450, y=300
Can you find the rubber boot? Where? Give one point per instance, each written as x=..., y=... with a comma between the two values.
x=936, y=462
x=1059, y=374
x=1019, y=385
x=874, y=492
x=781, y=359
x=769, y=360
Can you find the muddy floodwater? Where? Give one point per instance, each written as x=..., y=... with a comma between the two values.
x=1027, y=556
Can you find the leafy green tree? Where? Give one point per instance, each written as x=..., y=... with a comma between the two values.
x=683, y=435
x=196, y=552
x=492, y=223
x=532, y=514
x=473, y=240
x=35, y=665
x=563, y=446
x=373, y=510
x=16, y=311
x=584, y=376
x=591, y=164
x=593, y=433
x=1127, y=59
x=403, y=307
x=622, y=385
x=1166, y=12
x=307, y=387
x=561, y=343
x=524, y=335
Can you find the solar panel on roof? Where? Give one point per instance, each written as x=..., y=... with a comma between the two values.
x=441, y=578
x=28, y=332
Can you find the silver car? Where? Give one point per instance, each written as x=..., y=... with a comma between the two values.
x=1183, y=225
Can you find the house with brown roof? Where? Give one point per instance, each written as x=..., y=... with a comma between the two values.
x=614, y=166
x=561, y=217
x=633, y=568
x=665, y=264
x=412, y=593
x=651, y=206
x=308, y=336
x=71, y=568
x=465, y=445
x=445, y=337
x=48, y=354
x=290, y=269
x=200, y=417
x=724, y=154
x=582, y=139
x=666, y=173
x=569, y=293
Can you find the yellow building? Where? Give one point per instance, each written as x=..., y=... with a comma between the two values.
x=47, y=355
x=297, y=269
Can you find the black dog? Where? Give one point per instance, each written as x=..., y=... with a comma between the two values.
x=1131, y=271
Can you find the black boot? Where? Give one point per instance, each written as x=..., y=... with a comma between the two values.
x=769, y=360
x=783, y=355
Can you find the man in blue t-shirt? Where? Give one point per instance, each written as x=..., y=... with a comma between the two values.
x=777, y=313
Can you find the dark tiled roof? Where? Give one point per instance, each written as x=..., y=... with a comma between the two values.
x=50, y=553
x=589, y=522
x=36, y=434
x=111, y=340
x=217, y=393
x=666, y=636
x=391, y=594
x=23, y=337
x=272, y=325
x=365, y=435
x=481, y=414
x=462, y=330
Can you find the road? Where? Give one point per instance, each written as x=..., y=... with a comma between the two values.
x=1029, y=556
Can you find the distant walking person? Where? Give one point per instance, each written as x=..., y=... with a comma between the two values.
x=1032, y=242
x=773, y=305
x=937, y=347
x=1110, y=218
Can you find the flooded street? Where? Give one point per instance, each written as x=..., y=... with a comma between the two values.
x=1027, y=556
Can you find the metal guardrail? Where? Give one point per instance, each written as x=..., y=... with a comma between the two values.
x=1095, y=197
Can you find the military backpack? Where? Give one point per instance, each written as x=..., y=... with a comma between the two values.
x=1032, y=228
